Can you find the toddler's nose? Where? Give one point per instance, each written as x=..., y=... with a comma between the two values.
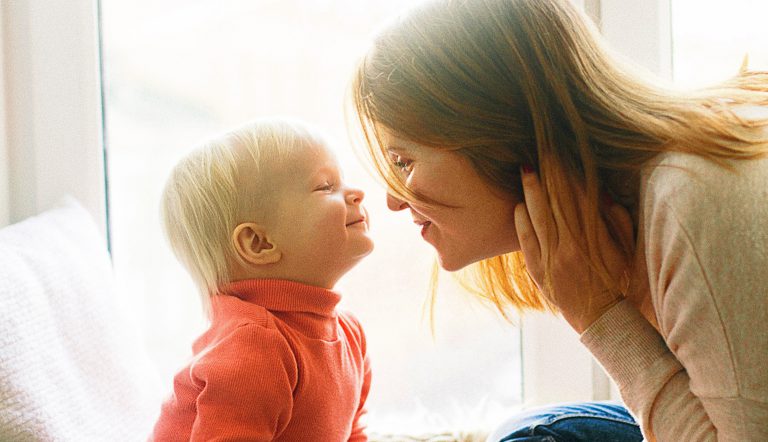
x=355, y=196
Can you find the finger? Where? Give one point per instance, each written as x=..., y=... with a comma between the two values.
x=529, y=242
x=538, y=209
x=622, y=224
x=624, y=227
x=616, y=244
x=616, y=228
x=567, y=217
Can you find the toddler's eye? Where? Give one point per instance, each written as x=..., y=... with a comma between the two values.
x=327, y=187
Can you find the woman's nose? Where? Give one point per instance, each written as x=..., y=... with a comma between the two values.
x=395, y=204
x=355, y=196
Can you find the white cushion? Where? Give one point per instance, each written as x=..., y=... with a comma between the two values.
x=70, y=367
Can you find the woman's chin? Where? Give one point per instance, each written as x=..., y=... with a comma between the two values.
x=455, y=263
x=451, y=265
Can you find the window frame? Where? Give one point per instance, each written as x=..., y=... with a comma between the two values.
x=52, y=108
x=51, y=113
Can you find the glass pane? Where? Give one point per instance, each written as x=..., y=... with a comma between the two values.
x=177, y=72
x=710, y=39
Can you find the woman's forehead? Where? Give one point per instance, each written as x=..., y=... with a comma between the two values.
x=393, y=143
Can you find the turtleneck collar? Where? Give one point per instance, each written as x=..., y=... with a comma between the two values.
x=286, y=296
x=307, y=309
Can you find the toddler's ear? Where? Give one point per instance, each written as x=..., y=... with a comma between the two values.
x=251, y=243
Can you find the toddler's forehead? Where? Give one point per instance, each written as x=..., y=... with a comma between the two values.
x=305, y=161
x=287, y=165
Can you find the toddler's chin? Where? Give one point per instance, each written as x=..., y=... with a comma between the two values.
x=365, y=249
x=369, y=248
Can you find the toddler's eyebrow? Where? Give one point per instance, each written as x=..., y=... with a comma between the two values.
x=326, y=171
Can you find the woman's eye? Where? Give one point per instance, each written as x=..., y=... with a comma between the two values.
x=402, y=164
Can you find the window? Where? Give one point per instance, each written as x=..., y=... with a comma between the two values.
x=177, y=72
x=160, y=66
x=710, y=39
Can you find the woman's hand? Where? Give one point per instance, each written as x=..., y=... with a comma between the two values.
x=576, y=290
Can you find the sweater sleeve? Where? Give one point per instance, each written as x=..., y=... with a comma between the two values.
x=359, y=424
x=702, y=377
x=647, y=374
x=247, y=383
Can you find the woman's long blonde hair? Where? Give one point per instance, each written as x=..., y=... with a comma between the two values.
x=513, y=82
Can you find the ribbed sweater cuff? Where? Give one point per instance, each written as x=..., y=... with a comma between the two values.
x=624, y=343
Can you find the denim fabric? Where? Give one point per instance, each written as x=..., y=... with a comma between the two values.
x=576, y=422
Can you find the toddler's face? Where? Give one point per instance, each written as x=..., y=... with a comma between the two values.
x=321, y=225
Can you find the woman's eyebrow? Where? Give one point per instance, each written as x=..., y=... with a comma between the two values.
x=398, y=149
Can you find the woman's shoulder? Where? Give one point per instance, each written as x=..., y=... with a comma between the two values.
x=686, y=194
x=680, y=171
x=679, y=178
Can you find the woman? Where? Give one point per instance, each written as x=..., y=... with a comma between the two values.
x=523, y=149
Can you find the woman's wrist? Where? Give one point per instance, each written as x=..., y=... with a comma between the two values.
x=581, y=322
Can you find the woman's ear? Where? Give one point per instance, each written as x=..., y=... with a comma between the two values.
x=252, y=245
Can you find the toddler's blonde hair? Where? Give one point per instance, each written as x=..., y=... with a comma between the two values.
x=204, y=198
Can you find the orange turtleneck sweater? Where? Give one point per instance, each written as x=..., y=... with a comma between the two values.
x=278, y=363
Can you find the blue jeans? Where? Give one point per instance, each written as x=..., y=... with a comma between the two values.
x=576, y=422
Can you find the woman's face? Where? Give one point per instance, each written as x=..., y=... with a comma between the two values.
x=479, y=222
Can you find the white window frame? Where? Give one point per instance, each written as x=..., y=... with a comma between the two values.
x=51, y=118
x=4, y=154
x=52, y=111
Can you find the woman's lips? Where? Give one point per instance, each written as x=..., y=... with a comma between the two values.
x=424, y=224
x=424, y=228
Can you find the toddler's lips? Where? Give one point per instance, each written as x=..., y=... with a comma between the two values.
x=358, y=221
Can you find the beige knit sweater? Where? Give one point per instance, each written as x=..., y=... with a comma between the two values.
x=704, y=375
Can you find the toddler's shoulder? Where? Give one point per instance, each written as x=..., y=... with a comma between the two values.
x=241, y=344
x=240, y=325
x=231, y=312
x=228, y=365
x=348, y=317
x=351, y=325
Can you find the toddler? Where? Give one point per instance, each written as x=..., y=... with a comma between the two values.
x=265, y=225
